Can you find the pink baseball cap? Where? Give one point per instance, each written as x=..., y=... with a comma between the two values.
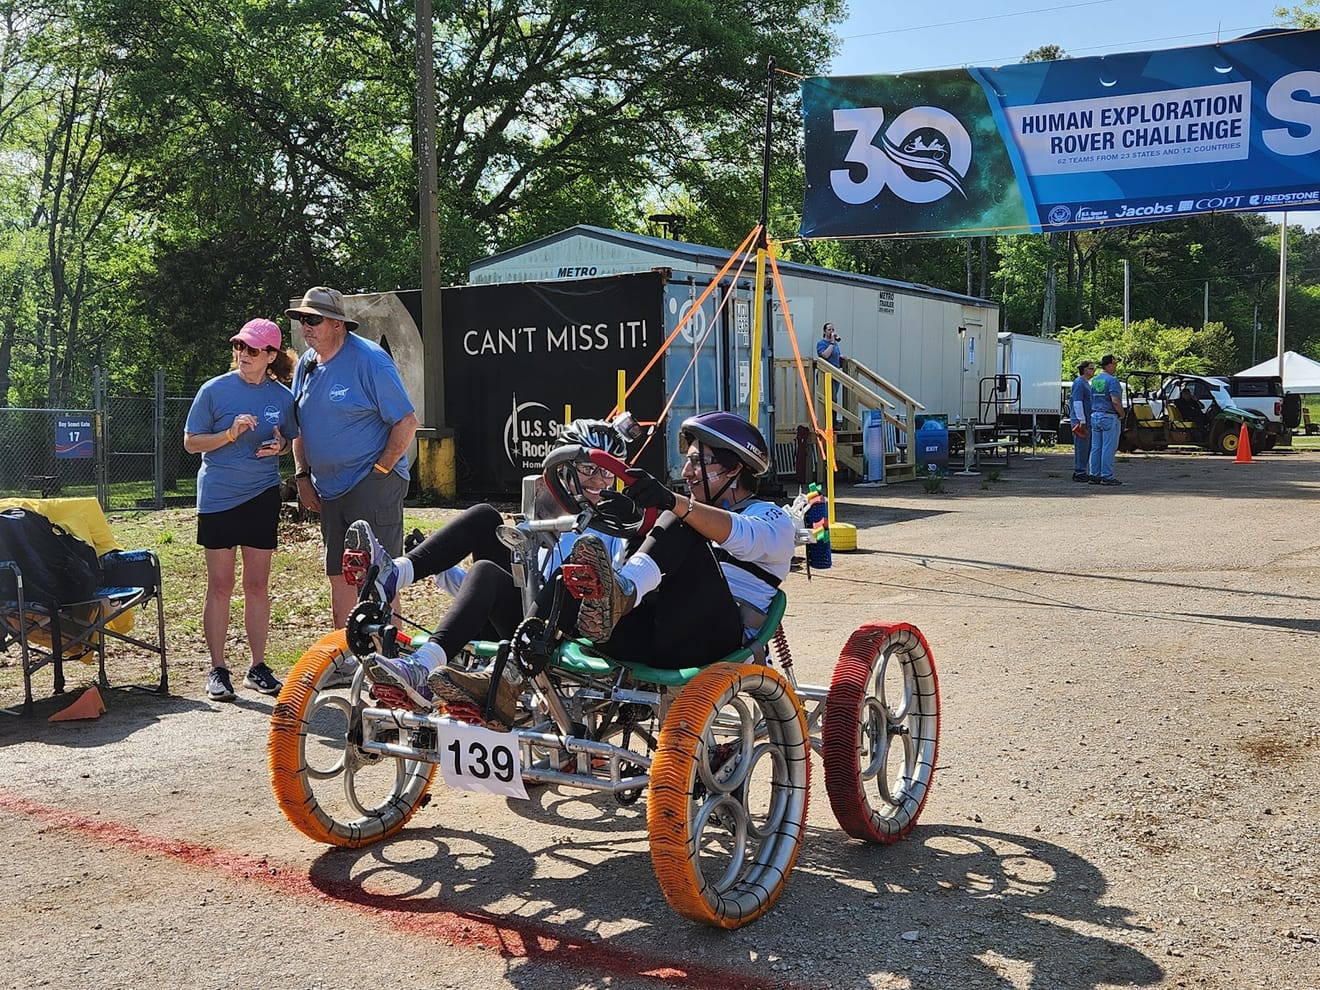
x=259, y=333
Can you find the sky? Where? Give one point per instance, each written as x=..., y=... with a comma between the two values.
x=888, y=37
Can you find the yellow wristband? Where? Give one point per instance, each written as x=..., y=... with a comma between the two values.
x=382, y=470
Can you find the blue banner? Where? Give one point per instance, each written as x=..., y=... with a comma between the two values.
x=1066, y=145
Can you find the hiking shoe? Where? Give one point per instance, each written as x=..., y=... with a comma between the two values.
x=1110, y=481
x=399, y=682
x=218, y=685
x=472, y=687
x=609, y=596
x=362, y=552
x=261, y=678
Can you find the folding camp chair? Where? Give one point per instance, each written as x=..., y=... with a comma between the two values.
x=49, y=635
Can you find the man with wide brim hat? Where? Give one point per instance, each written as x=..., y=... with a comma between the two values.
x=322, y=301
x=356, y=422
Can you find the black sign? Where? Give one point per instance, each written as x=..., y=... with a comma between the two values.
x=519, y=354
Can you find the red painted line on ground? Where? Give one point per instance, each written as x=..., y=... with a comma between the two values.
x=430, y=918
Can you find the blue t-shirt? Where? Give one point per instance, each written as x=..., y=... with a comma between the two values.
x=346, y=409
x=822, y=345
x=1104, y=385
x=1081, y=393
x=233, y=473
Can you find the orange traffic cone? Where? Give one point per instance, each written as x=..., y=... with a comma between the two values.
x=88, y=705
x=1244, y=446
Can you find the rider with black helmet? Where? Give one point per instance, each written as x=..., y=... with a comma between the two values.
x=487, y=604
x=675, y=602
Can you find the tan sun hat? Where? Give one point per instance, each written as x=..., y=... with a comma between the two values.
x=322, y=301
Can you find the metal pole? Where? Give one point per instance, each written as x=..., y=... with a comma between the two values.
x=1283, y=286
x=428, y=220
x=1125, y=294
x=1255, y=325
x=1205, y=306
x=158, y=441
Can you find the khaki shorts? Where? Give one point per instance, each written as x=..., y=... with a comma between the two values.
x=377, y=498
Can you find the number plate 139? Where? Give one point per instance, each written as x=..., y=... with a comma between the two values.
x=473, y=758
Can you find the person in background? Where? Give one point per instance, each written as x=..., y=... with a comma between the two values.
x=356, y=423
x=828, y=348
x=1106, y=422
x=1079, y=414
x=240, y=422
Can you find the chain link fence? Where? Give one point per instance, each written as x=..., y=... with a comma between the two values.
x=126, y=451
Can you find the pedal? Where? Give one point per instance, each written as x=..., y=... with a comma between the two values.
x=582, y=581
x=464, y=711
x=354, y=567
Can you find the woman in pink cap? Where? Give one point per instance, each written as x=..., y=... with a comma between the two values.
x=240, y=422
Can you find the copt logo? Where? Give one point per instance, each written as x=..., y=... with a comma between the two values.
x=923, y=155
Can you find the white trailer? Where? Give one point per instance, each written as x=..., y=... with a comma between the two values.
x=1038, y=362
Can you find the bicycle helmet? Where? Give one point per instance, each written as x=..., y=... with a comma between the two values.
x=729, y=433
x=594, y=433
x=564, y=466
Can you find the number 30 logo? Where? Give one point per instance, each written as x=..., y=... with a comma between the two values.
x=923, y=154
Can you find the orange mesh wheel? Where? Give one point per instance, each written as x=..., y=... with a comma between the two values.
x=328, y=788
x=727, y=806
x=881, y=732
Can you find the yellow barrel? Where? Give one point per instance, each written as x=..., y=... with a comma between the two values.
x=843, y=536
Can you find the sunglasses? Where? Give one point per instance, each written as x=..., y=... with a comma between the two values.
x=251, y=351
x=310, y=319
x=696, y=461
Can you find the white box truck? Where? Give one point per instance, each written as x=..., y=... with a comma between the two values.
x=1026, y=394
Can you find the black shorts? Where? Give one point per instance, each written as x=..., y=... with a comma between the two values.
x=255, y=523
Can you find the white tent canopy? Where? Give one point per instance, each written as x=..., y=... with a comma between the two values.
x=1300, y=373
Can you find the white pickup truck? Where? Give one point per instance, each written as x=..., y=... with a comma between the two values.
x=1264, y=394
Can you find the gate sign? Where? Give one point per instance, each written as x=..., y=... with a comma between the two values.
x=1066, y=145
x=73, y=438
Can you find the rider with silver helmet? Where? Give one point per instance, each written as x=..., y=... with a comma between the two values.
x=675, y=601
x=487, y=604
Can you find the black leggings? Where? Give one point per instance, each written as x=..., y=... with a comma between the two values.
x=692, y=619
x=488, y=604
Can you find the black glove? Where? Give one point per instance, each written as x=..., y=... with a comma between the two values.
x=648, y=492
x=618, y=506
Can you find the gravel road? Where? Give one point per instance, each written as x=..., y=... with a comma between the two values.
x=1128, y=790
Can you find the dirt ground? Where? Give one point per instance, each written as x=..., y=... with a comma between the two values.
x=1127, y=794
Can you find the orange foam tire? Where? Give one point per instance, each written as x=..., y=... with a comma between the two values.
x=735, y=730
x=295, y=782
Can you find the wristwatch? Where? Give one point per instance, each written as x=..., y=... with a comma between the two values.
x=304, y=473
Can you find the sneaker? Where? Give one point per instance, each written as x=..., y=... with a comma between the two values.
x=261, y=678
x=1110, y=481
x=218, y=686
x=362, y=552
x=1093, y=480
x=1081, y=477
x=472, y=687
x=609, y=596
x=399, y=682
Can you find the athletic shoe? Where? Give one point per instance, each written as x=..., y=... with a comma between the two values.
x=399, y=682
x=1110, y=481
x=1093, y=480
x=609, y=596
x=362, y=552
x=1081, y=477
x=260, y=678
x=218, y=685
x=472, y=687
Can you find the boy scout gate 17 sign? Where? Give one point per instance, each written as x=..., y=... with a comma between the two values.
x=1069, y=144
